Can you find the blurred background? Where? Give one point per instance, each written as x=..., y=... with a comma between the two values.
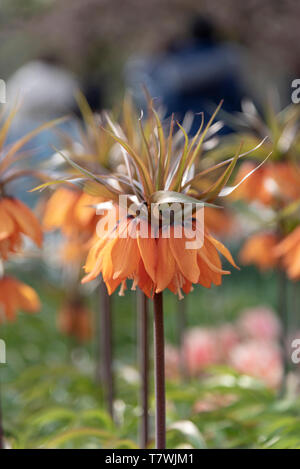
x=94, y=39
x=189, y=54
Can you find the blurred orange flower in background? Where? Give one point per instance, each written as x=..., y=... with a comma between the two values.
x=288, y=250
x=219, y=221
x=254, y=188
x=71, y=211
x=75, y=320
x=16, y=219
x=15, y=296
x=273, y=183
x=259, y=250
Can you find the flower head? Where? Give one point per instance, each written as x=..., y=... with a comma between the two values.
x=16, y=219
x=154, y=264
x=162, y=168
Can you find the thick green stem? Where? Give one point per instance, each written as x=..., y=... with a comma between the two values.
x=159, y=359
x=143, y=327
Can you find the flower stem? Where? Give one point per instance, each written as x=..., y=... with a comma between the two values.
x=105, y=362
x=181, y=326
x=159, y=358
x=144, y=365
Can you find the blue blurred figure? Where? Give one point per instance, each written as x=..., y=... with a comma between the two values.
x=192, y=75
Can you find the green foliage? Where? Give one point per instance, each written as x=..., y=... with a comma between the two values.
x=51, y=400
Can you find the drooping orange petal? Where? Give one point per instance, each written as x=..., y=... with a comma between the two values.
x=112, y=285
x=209, y=254
x=187, y=287
x=165, y=269
x=186, y=259
x=294, y=264
x=288, y=243
x=148, y=251
x=206, y=276
x=7, y=226
x=94, y=253
x=223, y=250
x=25, y=219
x=125, y=257
x=145, y=282
x=83, y=210
x=28, y=299
x=259, y=250
x=58, y=207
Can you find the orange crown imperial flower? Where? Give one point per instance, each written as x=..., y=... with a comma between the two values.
x=71, y=211
x=161, y=170
x=259, y=250
x=155, y=264
x=15, y=296
x=16, y=218
x=276, y=182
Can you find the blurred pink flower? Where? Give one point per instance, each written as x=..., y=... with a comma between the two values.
x=212, y=402
x=200, y=349
x=259, y=323
x=259, y=359
x=228, y=338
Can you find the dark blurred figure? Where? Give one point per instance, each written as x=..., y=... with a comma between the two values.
x=192, y=75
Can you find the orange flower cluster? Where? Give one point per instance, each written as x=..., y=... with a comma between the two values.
x=273, y=184
x=259, y=250
x=16, y=220
x=155, y=264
